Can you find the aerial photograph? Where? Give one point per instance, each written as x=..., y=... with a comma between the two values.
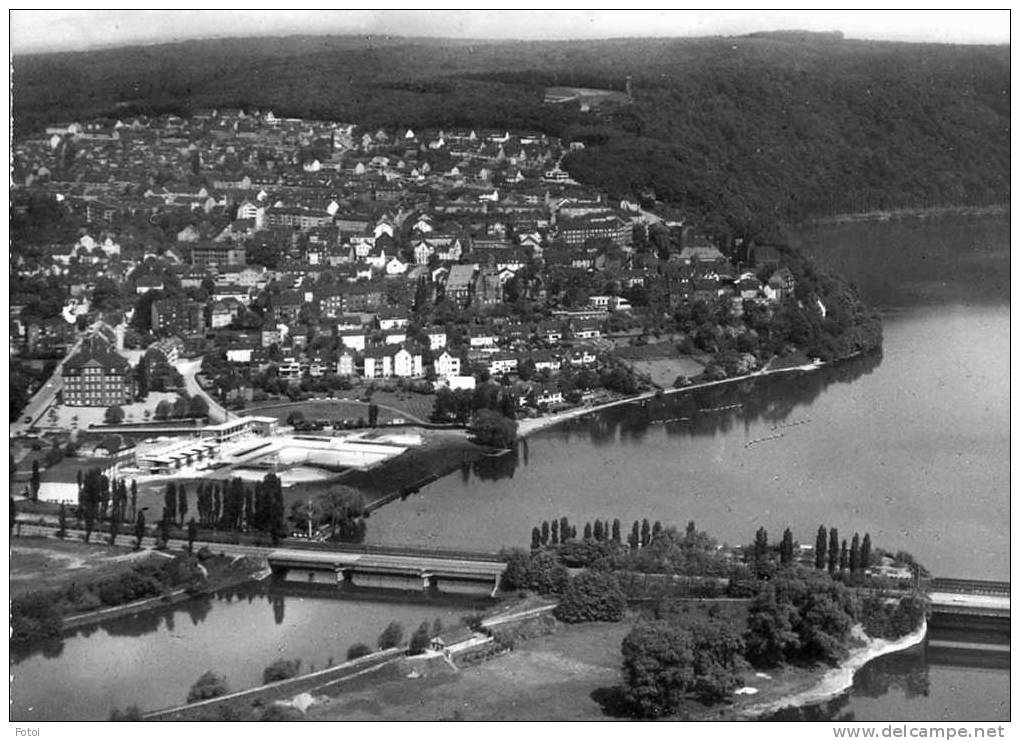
x=506, y=365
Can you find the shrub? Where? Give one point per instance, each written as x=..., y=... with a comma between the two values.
x=35, y=617
x=591, y=596
x=281, y=713
x=281, y=669
x=208, y=686
x=546, y=575
x=357, y=651
x=133, y=713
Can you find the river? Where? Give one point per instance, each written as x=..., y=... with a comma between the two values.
x=152, y=659
x=911, y=446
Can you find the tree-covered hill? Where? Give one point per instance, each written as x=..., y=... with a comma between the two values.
x=745, y=132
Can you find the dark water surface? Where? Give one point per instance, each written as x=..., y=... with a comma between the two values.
x=152, y=659
x=911, y=446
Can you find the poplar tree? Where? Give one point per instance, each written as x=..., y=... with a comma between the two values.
x=616, y=531
x=139, y=530
x=587, y=531
x=866, y=552
x=646, y=533
x=786, y=548
x=564, y=530
x=182, y=503
x=555, y=532
x=761, y=552
x=635, y=536
x=855, y=554
x=599, y=535
x=34, y=482
x=843, y=557
x=536, y=538
x=170, y=502
x=820, y=548
x=833, y=550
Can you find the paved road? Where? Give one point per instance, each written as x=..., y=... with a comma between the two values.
x=128, y=540
x=189, y=369
x=46, y=394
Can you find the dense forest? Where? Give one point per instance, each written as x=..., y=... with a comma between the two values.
x=744, y=133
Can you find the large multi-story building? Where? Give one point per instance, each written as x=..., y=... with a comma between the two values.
x=183, y=316
x=577, y=231
x=96, y=376
x=219, y=253
x=299, y=217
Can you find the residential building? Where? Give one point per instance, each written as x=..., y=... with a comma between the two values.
x=178, y=316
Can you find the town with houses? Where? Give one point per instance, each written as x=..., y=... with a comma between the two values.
x=296, y=257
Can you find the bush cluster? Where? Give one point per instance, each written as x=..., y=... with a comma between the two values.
x=38, y=616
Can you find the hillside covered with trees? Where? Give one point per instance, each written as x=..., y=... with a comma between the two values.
x=743, y=133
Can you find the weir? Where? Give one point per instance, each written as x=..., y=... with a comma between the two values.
x=389, y=571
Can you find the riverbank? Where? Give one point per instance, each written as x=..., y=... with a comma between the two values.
x=911, y=213
x=51, y=565
x=532, y=425
x=797, y=687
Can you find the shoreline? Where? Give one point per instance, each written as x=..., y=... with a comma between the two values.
x=837, y=680
x=532, y=425
x=908, y=213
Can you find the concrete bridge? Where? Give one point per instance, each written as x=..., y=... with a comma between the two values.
x=408, y=572
x=974, y=597
x=969, y=616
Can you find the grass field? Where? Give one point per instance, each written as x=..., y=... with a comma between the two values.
x=561, y=676
x=38, y=563
x=393, y=405
x=663, y=372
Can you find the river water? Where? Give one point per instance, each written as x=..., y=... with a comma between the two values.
x=911, y=446
x=152, y=659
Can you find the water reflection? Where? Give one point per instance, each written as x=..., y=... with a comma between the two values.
x=716, y=410
x=278, y=608
x=906, y=671
x=834, y=710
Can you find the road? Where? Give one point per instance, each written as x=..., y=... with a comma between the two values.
x=46, y=394
x=127, y=540
x=188, y=370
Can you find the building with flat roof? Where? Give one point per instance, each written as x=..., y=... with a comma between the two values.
x=234, y=428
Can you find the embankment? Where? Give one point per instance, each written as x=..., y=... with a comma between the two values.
x=836, y=680
x=530, y=426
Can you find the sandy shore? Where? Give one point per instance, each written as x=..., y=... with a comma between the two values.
x=836, y=681
x=529, y=426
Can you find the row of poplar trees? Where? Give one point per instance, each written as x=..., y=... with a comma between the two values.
x=102, y=499
x=837, y=556
x=830, y=552
x=561, y=531
x=230, y=505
